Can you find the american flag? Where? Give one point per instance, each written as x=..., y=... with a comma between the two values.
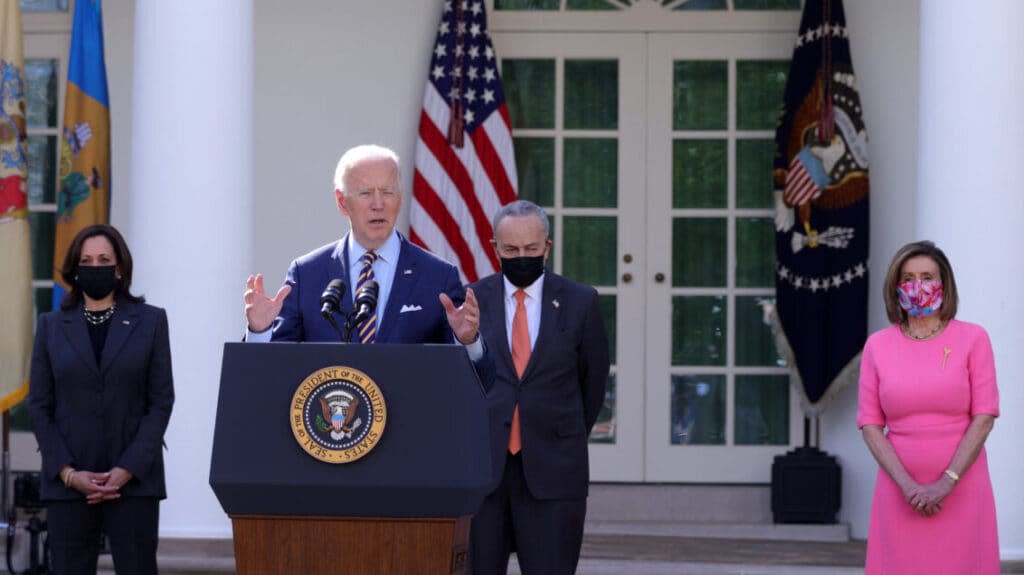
x=805, y=180
x=465, y=167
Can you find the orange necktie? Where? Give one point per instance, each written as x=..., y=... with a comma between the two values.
x=520, y=357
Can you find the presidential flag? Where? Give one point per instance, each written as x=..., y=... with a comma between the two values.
x=821, y=219
x=83, y=196
x=15, y=255
x=465, y=167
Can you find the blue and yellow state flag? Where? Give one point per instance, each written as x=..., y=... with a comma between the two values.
x=15, y=255
x=83, y=197
x=822, y=216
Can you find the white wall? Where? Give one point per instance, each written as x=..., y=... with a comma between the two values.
x=884, y=45
x=328, y=77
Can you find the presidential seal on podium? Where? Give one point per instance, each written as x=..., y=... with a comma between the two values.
x=338, y=414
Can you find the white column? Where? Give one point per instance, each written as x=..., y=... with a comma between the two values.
x=971, y=201
x=191, y=218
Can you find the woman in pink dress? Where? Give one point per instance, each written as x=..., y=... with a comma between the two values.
x=927, y=403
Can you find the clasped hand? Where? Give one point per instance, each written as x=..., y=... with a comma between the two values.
x=926, y=500
x=99, y=487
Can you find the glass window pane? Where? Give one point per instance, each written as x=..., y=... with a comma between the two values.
x=590, y=174
x=591, y=94
x=530, y=92
x=526, y=4
x=41, y=231
x=535, y=166
x=589, y=248
x=41, y=93
x=762, y=410
x=767, y=4
x=604, y=428
x=754, y=342
x=698, y=252
x=755, y=252
x=754, y=182
x=44, y=5
x=43, y=299
x=698, y=410
x=760, y=86
x=590, y=5
x=608, y=309
x=42, y=169
x=700, y=95
x=699, y=4
x=698, y=330
x=699, y=174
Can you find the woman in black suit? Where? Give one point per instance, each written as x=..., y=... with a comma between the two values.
x=99, y=400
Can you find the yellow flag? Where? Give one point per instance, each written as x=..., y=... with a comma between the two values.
x=15, y=255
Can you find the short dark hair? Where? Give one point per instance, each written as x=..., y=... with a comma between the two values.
x=69, y=271
x=947, y=310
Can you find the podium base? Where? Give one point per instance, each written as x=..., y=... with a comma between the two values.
x=271, y=545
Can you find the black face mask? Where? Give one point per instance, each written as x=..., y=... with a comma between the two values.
x=522, y=271
x=97, y=281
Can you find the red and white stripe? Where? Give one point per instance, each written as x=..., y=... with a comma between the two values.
x=456, y=191
x=800, y=187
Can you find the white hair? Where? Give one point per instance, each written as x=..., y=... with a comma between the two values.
x=357, y=154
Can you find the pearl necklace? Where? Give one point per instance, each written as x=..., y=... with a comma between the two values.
x=929, y=335
x=98, y=317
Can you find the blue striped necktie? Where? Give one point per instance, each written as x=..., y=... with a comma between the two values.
x=368, y=329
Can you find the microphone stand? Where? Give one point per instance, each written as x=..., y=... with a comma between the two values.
x=349, y=326
x=334, y=324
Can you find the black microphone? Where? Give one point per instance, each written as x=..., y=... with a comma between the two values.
x=366, y=301
x=330, y=300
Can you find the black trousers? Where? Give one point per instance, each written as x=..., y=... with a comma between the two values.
x=546, y=535
x=130, y=523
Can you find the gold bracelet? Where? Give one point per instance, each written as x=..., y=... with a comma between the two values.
x=952, y=475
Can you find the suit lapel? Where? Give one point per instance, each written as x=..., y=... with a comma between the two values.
x=340, y=256
x=550, y=311
x=401, y=288
x=73, y=323
x=126, y=318
x=491, y=297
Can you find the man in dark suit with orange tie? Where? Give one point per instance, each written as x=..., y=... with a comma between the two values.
x=550, y=349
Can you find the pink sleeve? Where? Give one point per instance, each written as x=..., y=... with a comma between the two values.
x=981, y=369
x=869, y=409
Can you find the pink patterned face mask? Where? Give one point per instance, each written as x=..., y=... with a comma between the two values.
x=920, y=297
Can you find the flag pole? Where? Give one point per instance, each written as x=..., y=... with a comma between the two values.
x=5, y=496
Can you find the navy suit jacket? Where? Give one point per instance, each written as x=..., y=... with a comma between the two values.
x=562, y=389
x=96, y=417
x=419, y=278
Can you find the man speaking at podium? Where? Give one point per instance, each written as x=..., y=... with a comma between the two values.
x=416, y=293
x=550, y=346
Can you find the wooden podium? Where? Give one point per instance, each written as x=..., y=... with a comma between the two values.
x=403, y=507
